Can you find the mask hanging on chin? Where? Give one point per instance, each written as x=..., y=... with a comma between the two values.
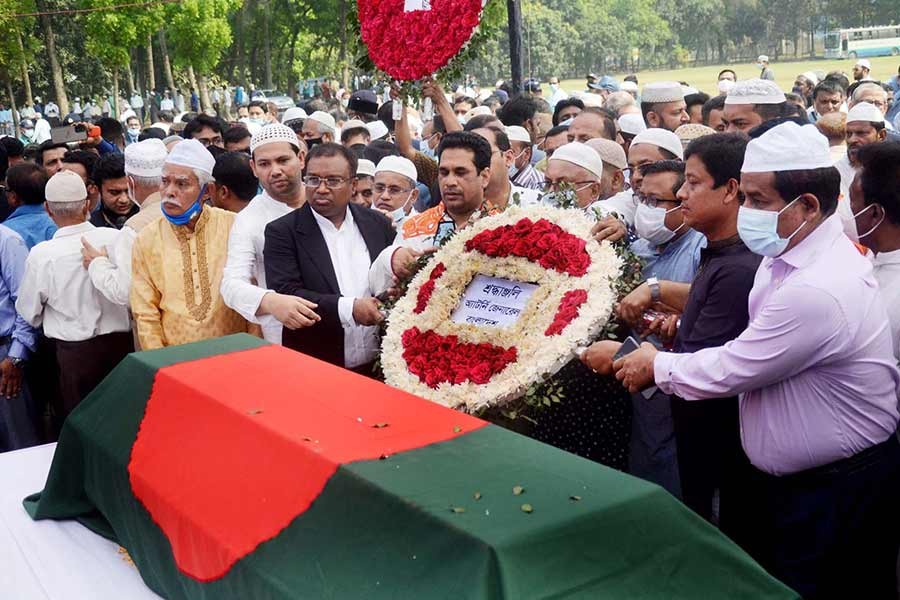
x=189, y=215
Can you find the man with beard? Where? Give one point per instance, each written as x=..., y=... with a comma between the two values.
x=865, y=125
x=663, y=105
x=115, y=205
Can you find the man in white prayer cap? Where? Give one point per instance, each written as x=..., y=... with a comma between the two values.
x=522, y=173
x=365, y=179
x=614, y=164
x=318, y=128
x=111, y=271
x=394, y=190
x=178, y=260
x=663, y=105
x=865, y=125
x=277, y=160
x=91, y=334
x=816, y=376
x=752, y=102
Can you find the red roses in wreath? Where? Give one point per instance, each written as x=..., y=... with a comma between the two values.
x=437, y=358
x=542, y=242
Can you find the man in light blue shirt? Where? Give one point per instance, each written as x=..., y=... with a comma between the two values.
x=25, y=185
x=671, y=251
x=17, y=340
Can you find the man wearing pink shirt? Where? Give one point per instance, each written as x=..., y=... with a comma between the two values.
x=816, y=377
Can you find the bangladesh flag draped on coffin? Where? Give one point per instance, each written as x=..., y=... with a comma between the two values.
x=232, y=469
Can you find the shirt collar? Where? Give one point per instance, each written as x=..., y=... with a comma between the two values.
x=327, y=225
x=69, y=230
x=811, y=248
x=29, y=209
x=887, y=258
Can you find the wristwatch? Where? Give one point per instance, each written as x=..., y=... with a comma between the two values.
x=653, y=284
x=17, y=362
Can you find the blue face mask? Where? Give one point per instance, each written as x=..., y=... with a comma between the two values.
x=537, y=155
x=759, y=230
x=188, y=215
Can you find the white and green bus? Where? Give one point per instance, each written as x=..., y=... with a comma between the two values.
x=862, y=42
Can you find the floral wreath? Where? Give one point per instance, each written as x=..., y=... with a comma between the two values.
x=410, y=45
x=474, y=368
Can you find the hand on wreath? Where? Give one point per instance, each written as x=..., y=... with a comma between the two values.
x=403, y=262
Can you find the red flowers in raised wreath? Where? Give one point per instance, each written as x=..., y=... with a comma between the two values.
x=437, y=358
x=567, y=311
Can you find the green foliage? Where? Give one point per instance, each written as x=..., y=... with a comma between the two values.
x=199, y=32
x=111, y=34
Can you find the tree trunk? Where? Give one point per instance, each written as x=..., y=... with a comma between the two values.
x=26, y=79
x=115, y=100
x=59, y=85
x=167, y=65
x=129, y=79
x=241, y=62
x=345, y=67
x=12, y=104
x=267, y=47
x=192, y=80
x=205, y=103
x=151, y=67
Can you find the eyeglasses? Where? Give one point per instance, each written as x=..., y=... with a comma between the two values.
x=332, y=183
x=553, y=186
x=392, y=190
x=653, y=201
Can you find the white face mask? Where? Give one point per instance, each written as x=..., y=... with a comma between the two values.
x=874, y=227
x=650, y=224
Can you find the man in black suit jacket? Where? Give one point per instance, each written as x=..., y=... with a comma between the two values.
x=322, y=252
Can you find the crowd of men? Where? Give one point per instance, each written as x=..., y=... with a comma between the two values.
x=765, y=394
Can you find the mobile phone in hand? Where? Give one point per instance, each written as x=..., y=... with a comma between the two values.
x=628, y=346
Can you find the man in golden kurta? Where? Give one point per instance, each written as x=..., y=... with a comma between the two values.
x=178, y=260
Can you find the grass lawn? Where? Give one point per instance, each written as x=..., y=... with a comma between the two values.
x=704, y=78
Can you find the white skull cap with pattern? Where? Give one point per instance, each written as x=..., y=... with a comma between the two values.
x=475, y=112
x=610, y=152
x=365, y=167
x=517, y=133
x=65, y=186
x=865, y=111
x=399, y=165
x=661, y=138
x=811, y=77
x=353, y=124
x=269, y=134
x=193, y=155
x=580, y=155
x=787, y=147
x=755, y=91
x=660, y=92
x=323, y=118
x=294, y=113
x=146, y=158
x=377, y=129
x=631, y=123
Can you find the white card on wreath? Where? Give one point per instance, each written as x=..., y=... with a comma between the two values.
x=411, y=5
x=493, y=302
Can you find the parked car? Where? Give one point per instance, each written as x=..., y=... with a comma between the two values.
x=281, y=100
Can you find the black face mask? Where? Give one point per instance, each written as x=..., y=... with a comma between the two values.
x=313, y=142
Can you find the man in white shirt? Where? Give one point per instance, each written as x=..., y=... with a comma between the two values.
x=137, y=103
x=865, y=125
x=167, y=103
x=875, y=202
x=322, y=252
x=278, y=164
x=394, y=189
x=111, y=272
x=91, y=333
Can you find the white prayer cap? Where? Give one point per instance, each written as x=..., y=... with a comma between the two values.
x=660, y=92
x=515, y=133
x=323, y=118
x=661, y=138
x=477, y=111
x=762, y=58
x=632, y=123
x=610, y=152
x=275, y=132
x=725, y=85
x=595, y=100
x=397, y=164
x=377, y=129
x=687, y=90
x=787, y=147
x=755, y=91
x=864, y=63
x=484, y=95
x=365, y=167
x=353, y=124
x=628, y=86
x=811, y=77
x=145, y=159
x=66, y=186
x=865, y=111
x=580, y=155
x=294, y=113
x=193, y=155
